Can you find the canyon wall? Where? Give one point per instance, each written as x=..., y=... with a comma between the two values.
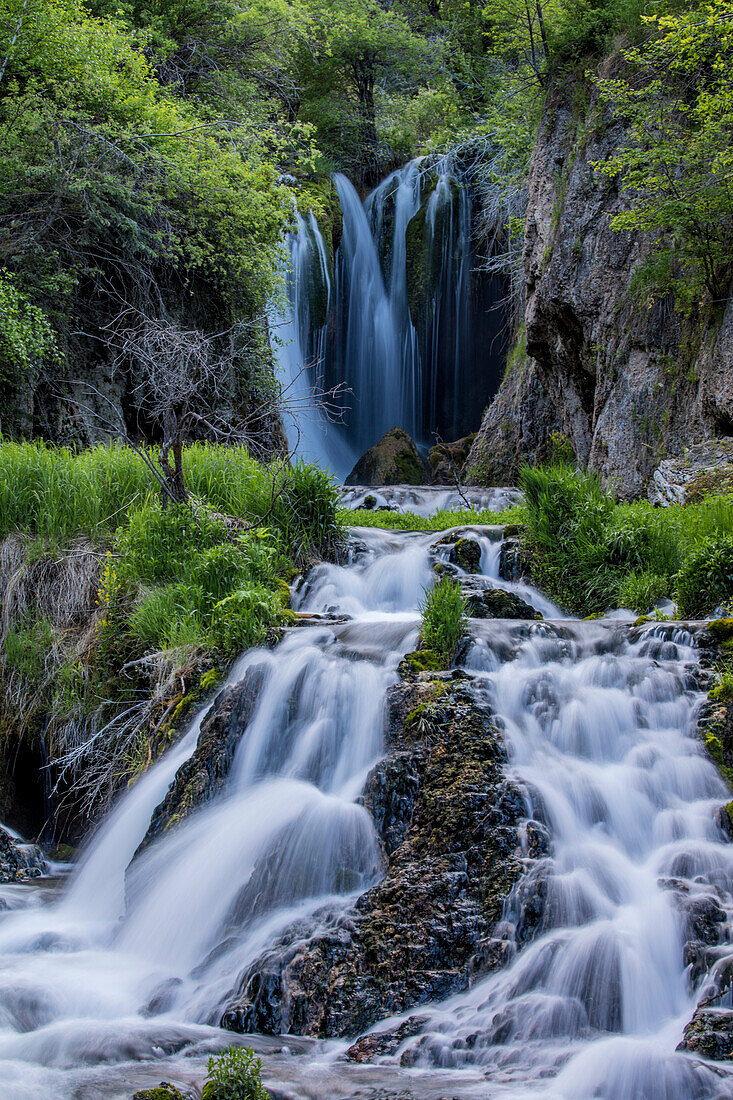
x=608, y=362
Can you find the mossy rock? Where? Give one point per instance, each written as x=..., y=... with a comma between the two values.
x=717, y=481
x=466, y=554
x=495, y=603
x=422, y=660
x=394, y=460
x=163, y=1091
x=721, y=629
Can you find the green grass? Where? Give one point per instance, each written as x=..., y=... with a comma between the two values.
x=439, y=521
x=56, y=493
x=591, y=552
x=443, y=619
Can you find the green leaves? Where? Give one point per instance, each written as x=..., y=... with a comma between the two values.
x=676, y=162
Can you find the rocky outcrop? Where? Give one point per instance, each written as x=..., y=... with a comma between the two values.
x=516, y=427
x=495, y=603
x=631, y=380
x=702, y=469
x=394, y=460
x=448, y=820
x=204, y=774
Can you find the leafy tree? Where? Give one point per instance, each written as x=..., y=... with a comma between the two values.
x=676, y=163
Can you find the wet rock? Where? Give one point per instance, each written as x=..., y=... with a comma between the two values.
x=382, y=1043
x=18, y=861
x=163, y=1091
x=394, y=460
x=710, y=1033
x=514, y=562
x=466, y=554
x=203, y=775
x=495, y=603
x=449, y=822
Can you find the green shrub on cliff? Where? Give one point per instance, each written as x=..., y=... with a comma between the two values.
x=706, y=577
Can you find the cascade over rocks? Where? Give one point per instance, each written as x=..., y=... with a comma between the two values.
x=394, y=460
x=204, y=774
x=448, y=822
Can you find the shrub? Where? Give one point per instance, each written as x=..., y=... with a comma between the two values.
x=170, y=616
x=234, y=1075
x=706, y=577
x=444, y=619
x=160, y=544
x=243, y=618
x=640, y=591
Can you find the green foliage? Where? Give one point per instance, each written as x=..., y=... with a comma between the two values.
x=27, y=649
x=234, y=1075
x=705, y=578
x=439, y=521
x=56, y=493
x=444, y=619
x=677, y=161
x=723, y=690
x=26, y=335
x=591, y=552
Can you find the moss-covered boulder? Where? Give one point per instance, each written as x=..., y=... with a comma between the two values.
x=465, y=552
x=447, y=460
x=163, y=1091
x=495, y=603
x=394, y=460
x=710, y=1033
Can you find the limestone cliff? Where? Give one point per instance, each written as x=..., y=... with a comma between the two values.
x=626, y=377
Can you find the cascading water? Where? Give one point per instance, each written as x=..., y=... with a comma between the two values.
x=406, y=321
x=118, y=982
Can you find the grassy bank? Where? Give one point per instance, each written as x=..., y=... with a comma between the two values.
x=118, y=613
x=591, y=552
x=439, y=521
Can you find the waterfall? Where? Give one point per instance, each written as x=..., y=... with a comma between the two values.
x=410, y=325
x=124, y=975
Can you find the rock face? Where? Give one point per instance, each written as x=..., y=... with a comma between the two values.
x=629, y=380
x=448, y=821
x=204, y=774
x=516, y=427
x=703, y=468
x=394, y=460
x=495, y=603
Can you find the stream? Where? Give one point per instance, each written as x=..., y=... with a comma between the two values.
x=112, y=979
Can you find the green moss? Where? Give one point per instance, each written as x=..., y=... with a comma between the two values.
x=721, y=629
x=163, y=1091
x=406, y=469
x=425, y=660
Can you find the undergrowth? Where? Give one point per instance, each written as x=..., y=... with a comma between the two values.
x=115, y=610
x=591, y=552
x=443, y=621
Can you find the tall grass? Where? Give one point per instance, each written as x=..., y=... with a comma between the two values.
x=56, y=493
x=443, y=619
x=592, y=552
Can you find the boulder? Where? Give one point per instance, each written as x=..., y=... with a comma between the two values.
x=448, y=459
x=394, y=460
x=163, y=1091
x=495, y=603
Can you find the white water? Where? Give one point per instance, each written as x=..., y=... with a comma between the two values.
x=599, y=732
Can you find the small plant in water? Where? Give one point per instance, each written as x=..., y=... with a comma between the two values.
x=444, y=618
x=234, y=1075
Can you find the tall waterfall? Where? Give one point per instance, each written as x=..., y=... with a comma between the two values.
x=403, y=319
